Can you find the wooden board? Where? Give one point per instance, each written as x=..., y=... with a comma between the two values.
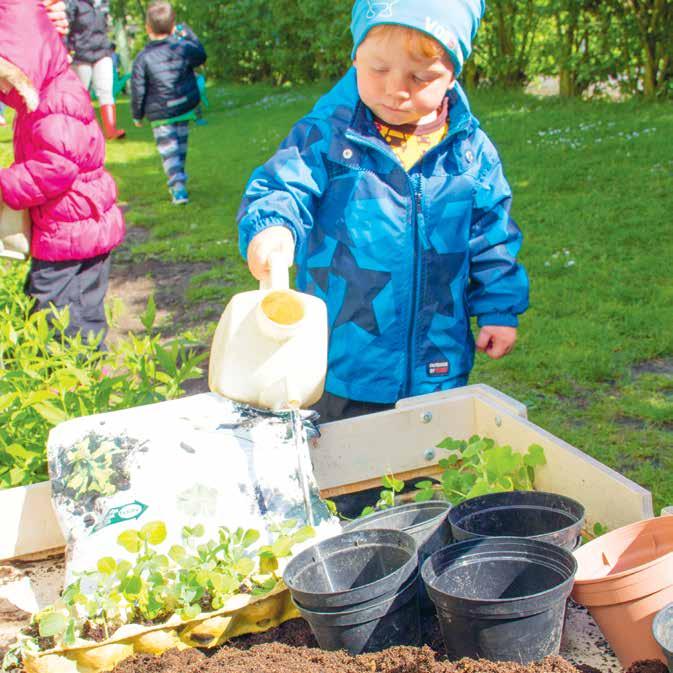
x=608, y=497
x=28, y=523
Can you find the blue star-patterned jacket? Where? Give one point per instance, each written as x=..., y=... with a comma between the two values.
x=402, y=259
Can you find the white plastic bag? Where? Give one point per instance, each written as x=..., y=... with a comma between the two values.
x=201, y=459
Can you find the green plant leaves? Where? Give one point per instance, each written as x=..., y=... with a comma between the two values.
x=392, y=483
x=474, y=467
x=47, y=378
x=196, y=577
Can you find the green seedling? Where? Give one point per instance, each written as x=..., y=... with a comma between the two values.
x=479, y=466
x=194, y=577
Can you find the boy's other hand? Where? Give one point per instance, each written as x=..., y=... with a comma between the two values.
x=137, y=124
x=496, y=340
x=271, y=240
x=57, y=15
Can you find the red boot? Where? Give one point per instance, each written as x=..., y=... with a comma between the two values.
x=108, y=114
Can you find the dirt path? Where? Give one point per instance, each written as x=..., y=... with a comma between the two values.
x=133, y=282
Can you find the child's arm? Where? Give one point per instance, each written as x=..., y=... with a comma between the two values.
x=26, y=184
x=191, y=46
x=138, y=89
x=283, y=194
x=498, y=290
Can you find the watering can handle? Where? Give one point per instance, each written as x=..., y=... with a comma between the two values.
x=278, y=277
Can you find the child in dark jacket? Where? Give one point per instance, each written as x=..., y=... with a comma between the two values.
x=164, y=89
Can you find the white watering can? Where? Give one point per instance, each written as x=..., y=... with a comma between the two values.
x=270, y=346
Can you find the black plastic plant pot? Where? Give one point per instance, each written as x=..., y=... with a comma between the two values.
x=662, y=629
x=385, y=623
x=424, y=521
x=352, y=569
x=532, y=514
x=501, y=599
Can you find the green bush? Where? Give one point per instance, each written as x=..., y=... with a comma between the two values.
x=46, y=378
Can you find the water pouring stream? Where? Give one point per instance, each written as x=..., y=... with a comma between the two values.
x=303, y=462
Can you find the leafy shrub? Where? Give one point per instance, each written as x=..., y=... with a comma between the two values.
x=47, y=378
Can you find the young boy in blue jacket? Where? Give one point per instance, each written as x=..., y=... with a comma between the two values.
x=393, y=203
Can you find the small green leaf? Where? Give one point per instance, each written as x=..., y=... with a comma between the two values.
x=268, y=563
x=130, y=540
x=282, y=546
x=123, y=568
x=331, y=506
x=52, y=624
x=177, y=553
x=107, y=565
x=148, y=317
x=303, y=534
x=424, y=495
x=51, y=413
x=391, y=482
x=535, y=456
x=154, y=532
x=244, y=566
x=191, y=611
x=132, y=586
x=251, y=536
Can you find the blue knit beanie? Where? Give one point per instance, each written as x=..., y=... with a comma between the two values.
x=453, y=23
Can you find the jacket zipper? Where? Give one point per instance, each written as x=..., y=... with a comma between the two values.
x=417, y=207
x=417, y=203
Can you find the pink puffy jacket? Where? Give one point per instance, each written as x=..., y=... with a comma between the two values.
x=59, y=150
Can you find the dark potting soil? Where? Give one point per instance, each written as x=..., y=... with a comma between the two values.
x=291, y=648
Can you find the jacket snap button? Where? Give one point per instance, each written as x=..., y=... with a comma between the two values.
x=347, y=153
x=469, y=157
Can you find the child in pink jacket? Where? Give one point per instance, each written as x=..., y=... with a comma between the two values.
x=58, y=172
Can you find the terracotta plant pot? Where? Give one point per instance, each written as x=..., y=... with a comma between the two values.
x=625, y=577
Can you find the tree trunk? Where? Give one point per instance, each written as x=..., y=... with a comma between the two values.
x=650, y=75
x=566, y=82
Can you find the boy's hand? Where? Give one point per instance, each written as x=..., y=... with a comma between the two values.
x=274, y=239
x=496, y=340
x=137, y=123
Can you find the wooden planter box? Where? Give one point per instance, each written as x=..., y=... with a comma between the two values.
x=352, y=454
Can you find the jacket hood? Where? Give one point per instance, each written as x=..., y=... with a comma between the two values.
x=453, y=23
x=31, y=52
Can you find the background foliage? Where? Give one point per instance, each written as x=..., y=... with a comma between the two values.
x=583, y=42
x=46, y=379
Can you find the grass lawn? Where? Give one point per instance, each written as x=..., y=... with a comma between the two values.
x=593, y=186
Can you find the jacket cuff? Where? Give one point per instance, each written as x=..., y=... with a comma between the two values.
x=261, y=225
x=500, y=319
